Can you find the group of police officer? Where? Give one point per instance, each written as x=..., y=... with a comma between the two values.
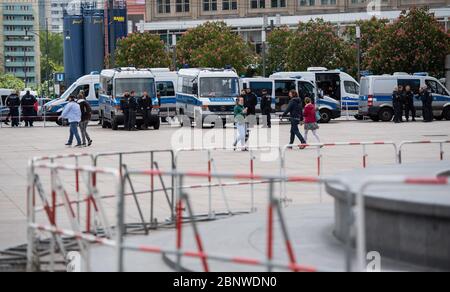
x=131, y=105
x=28, y=104
x=403, y=101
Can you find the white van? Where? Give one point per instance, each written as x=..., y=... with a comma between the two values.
x=279, y=89
x=375, y=99
x=166, y=83
x=335, y=84
x=207, y=94
x=90, y=84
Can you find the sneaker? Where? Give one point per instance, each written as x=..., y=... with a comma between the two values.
x=301, y=147
x=68, y=144
x=89, y=143
x=83, y=144
x=78, y=145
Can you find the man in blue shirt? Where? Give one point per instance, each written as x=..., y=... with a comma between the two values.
x=72, y=113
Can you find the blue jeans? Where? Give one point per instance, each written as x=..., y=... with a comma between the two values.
x=74, y=132
x=295, y=132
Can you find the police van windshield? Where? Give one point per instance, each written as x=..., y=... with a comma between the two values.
x=219, y=87
x=138, y=85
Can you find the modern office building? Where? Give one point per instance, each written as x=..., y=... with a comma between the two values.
x=19, y=39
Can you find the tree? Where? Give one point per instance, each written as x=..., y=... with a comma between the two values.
x=415, y=42
x=316, y=43
x=142, y=50
x=279, y=40
x=55, y=49
x=214, y=44
x=11, y=82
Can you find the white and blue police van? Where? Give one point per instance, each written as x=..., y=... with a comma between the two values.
x=4, y=110
x=114, y=84
x=166, y=84
x=206, y=95
x=279, y=89
x=335, y=84
x=376, y=92
x=89, y=84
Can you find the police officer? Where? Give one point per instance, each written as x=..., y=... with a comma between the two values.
x=427, y=104
x=145, y=107
x=27, y=102
x=133, y=107
x=266, y=107
x=250, y=103
x=409, y=104
x=13, y=102
x=124, y=106
x=397, y=102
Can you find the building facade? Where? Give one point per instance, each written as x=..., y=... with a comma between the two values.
x=19, y=40
x=164, y=10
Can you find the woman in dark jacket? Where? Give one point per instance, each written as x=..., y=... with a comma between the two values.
x=295, y=112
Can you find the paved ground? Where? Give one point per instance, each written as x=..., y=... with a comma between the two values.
x=17, y=146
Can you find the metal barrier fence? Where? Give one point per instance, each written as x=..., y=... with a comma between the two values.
x=40, y=116
x=405, y=143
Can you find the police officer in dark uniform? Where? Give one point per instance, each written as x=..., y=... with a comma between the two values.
x=266, y=107
x=13, y=102
x=145, y=108
x=27, y=102
x=409, y=104
x=124, y=106
x=133, y=107
x=250, y=103
x=397, y=102
x=427, y=104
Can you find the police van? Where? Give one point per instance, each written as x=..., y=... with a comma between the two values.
x=206, y=94
x=166, y=83
x=89, y=84
x=335, y=84
x=4, y=110
x=279, y=89
x=114, y=84
x=375, y=99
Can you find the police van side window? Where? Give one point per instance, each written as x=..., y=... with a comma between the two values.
x=413, y=83
x=165, y=88
x=351, y=87
x=436, y=87
x=282, y=88
x=257, y=87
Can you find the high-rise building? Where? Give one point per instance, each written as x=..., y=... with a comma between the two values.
x=19, y=39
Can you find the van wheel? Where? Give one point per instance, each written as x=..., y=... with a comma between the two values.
x=359, y=117
x=114, y=124
x=325, y=116
x=386, y=114
x=439, y=118
x=446, y=114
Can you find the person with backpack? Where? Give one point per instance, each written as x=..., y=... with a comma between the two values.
x=86, y=114
x=13, y=103
x=295, y=113
x=310, y=115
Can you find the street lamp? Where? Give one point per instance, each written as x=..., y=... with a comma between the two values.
x=264, y=39
x=358, y=45
x=174, y=46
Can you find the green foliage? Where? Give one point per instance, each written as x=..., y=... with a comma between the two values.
x=279, y=40
x=316, y=43
x=141, y=50
x=413, y=43
x=55, y=49
x=213, y=44
x=10, y=82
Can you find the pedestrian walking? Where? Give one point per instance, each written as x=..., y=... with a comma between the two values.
x=28, y=101
x=133, y=107
x=295, y=112
x=145, y=108
x=310, y=119
x=397, y=102
x=72, y=113
x=13, y=103
x=266, y=107
x=427, y=104
x=125, y=107
x=409, y=104
x=86, y=115
x=240, y=113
